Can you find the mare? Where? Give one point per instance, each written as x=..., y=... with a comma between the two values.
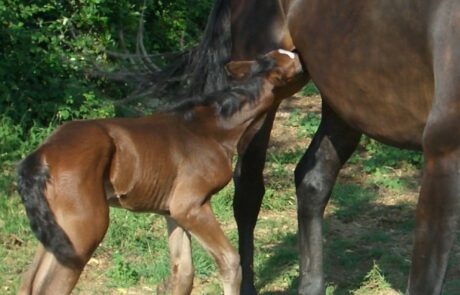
x=386, y=68
x=169, y=163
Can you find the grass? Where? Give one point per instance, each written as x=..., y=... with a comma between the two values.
x=367, y=230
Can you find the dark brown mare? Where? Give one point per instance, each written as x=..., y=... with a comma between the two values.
x=386, y=68
x=169, y=163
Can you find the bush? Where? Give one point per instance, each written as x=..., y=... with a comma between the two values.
x=48, y=45
x=48, y=48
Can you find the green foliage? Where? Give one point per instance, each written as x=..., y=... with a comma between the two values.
x=374, y=283
x=307, y=122
x=16, y=142
x=384, y=155
x=48, y=49
x=351, y=200
x=309, y=90
x=122, y=271
x=48, y=45
x=37, y=68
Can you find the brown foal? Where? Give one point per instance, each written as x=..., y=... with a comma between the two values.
x=168, y=163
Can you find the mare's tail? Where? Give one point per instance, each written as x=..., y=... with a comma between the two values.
x=206, y=67
x=33, y=176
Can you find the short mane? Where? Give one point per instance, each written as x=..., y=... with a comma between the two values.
x=229, y=100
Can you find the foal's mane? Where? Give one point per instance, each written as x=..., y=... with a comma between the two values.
x=229, y=100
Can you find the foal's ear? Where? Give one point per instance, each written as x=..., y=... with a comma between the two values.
x=239, y=69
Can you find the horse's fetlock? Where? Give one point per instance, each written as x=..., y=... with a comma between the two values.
x=232, y=260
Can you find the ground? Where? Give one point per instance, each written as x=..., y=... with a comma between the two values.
x=368, y=226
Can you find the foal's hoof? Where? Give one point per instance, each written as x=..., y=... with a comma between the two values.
x=164, y=288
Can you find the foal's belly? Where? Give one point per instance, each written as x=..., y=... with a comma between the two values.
x=371, y=62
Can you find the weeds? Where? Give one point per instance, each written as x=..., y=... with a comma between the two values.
x=374, y=283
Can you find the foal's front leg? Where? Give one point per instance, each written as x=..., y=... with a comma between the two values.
x=197, y=217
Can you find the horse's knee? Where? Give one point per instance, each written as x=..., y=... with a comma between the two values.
x=232, y=260
x=441, y=136
x=312, y=193
x=231, y=268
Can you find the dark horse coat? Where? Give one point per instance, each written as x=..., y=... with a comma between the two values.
x=386, y=68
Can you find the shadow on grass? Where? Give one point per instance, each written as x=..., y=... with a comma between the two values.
x=280, y=266
x=358, y=233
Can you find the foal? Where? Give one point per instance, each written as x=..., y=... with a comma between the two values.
x=168, y=163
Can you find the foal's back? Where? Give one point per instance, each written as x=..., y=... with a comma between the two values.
x=143, y=157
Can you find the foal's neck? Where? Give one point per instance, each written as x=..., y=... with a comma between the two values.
x=250, y=109
x=228, y=130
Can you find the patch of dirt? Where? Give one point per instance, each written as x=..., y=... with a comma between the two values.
x=284, y=136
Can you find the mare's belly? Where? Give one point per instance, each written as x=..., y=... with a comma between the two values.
x=370, y=60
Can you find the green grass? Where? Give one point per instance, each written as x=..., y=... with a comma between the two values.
x=309, y=89
x=367, y=241
x=374, y=283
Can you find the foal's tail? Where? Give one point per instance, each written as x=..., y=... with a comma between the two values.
x=33, y=176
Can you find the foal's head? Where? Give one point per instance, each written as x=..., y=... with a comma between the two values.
x=278, y=66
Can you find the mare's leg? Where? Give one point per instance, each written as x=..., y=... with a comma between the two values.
x=180, y=251
x=84, y=218
x=249, y=191
x=438, y=209
x=315, y=176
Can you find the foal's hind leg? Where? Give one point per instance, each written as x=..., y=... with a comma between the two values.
x=28, y=277
x=84, y=218
x=315, y=176
x=438, y=209
x=180, y=252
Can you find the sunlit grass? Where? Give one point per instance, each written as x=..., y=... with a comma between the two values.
x=368, y=231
